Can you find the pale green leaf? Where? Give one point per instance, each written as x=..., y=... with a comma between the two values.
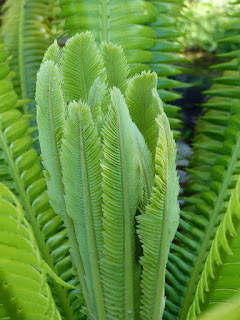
x=142, y=106
x=116, y=65
x=50, y=119
x=82, y=64
x=81, y=154
x=158, y=225
x=121, y=196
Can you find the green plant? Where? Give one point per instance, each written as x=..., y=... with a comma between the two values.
x=101, y=147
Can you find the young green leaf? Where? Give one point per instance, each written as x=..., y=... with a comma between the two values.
x=116, y=65
x=81, y=154
x=142, y=106
x=121, y=196
x=82, y=64
x=158, y=225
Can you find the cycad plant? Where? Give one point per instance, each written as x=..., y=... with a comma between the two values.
x=96, y=223
x=99, y=167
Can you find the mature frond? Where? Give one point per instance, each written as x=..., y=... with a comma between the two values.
x=24, y=290
x=121, y=196
x=219, y=281
x=158, y=225
x=21, y=170
x=214, y=173
x=81, y=155
x=26, y=34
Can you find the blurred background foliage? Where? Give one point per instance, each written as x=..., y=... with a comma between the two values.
x=203, y=22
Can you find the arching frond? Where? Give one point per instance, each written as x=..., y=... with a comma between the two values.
x=121, y=196
x=218, y=281
x=213, y=176
x=22, y=172
x=26, y=34
x=158, y=225
x=24, y=290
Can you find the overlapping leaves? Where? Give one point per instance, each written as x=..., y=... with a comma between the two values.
x=101, y=169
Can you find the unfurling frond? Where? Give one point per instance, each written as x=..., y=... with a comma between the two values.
x=116, y=65
x=50, y=119
x=81, y=65
x=142, y=107
x=81, y=154
x=121, y=195
x=158, y=225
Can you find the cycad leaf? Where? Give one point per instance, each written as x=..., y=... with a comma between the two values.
x=159, y=224
x=142, y=107
x=21, y=170
x=26, y=33
x=82, y=64
x=121, y=195
x=98, y=98
x=50, y=119
x=53, y=53
x=220, y=249
x=146, y=168
x=116, y=65
x=81, y=154
x=24, y=290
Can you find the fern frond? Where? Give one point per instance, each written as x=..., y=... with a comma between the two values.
x=26, y=35
x=121, y=196
x=24, y=292
x=22, y=171
x=81, y=154
x=222, y=258
x=158, y=225
x=50, y=120
x=81, y=65
x=116, y=66
x=142, y=106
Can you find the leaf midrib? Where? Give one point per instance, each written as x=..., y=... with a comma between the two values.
x=128, y=261
x=162, y=257
x=91, y=236
x=201, y=258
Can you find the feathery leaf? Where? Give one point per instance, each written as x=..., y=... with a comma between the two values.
x=142, y=107
x=121, y=196
x=81, y=154
x=158, y=225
